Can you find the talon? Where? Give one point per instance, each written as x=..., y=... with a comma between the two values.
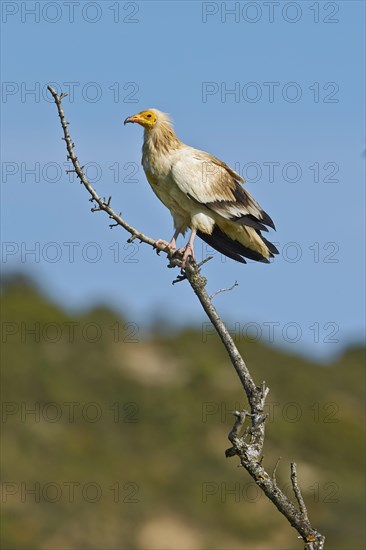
x=160, y=243
x=188, y=253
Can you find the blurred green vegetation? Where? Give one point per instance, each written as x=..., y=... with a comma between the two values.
x=115, y=440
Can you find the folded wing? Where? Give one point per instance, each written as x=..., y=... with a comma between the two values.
x=210, y=182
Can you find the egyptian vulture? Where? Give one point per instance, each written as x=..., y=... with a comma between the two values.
x=202, y=193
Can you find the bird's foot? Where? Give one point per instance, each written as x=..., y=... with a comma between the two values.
x=161, y=244
x=188, y=252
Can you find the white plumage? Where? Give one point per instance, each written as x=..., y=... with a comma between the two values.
x=202, y=193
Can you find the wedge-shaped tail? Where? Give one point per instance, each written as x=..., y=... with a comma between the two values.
x=234, y=249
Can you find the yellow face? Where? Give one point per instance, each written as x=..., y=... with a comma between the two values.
x=147, y=119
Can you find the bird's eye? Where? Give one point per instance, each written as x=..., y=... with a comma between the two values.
x=148, y=116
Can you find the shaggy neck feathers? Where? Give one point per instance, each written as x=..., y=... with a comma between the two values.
x=161, y=138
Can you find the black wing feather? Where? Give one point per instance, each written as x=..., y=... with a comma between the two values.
x=232, y=249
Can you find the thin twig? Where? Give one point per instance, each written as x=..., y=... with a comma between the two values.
x=223, y=290
x=205, y=261
x=275, y=470
x=249, y=452
x=297, y=491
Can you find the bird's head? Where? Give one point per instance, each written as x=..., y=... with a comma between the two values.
x=147, y=119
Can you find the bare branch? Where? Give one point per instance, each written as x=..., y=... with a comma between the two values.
x=103, y=205
x=248, y=446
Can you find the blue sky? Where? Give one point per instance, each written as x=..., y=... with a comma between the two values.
x=275, y=90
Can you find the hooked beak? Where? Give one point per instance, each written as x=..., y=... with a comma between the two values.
x=132, y=119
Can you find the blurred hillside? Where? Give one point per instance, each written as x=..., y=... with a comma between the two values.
x=112, y=439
